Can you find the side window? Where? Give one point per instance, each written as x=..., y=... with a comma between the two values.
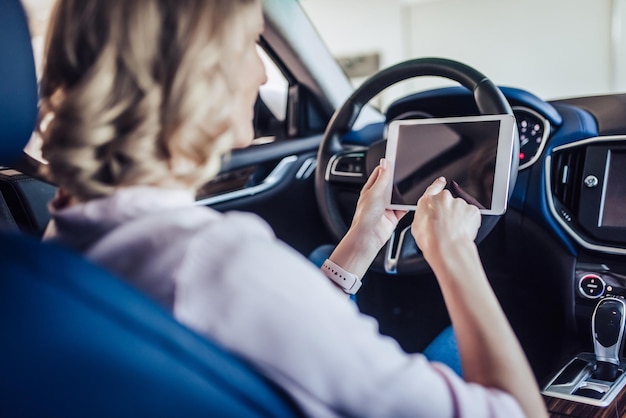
x=271, y=106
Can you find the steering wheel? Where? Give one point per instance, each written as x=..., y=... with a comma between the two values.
x=342, y=167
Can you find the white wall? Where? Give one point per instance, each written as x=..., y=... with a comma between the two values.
x=359, y=26
x=553, y=48
x=620, y=45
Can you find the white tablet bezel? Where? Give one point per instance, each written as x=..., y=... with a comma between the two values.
x=504, y=157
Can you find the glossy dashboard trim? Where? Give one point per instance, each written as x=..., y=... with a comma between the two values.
x=548, y=170
x=273, y=179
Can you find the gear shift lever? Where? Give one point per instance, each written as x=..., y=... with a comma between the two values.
x=608, y=331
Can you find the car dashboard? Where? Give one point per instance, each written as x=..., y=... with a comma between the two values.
x=560, y=247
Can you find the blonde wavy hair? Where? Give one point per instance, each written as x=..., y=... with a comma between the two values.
x=138, y=92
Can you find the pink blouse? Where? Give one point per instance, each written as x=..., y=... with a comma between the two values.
x=229, y=278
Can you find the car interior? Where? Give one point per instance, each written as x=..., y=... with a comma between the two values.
x=79, y=342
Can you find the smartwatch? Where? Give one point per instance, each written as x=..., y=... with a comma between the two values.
x=348, y=282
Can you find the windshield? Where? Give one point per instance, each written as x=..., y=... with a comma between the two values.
x=554, y=49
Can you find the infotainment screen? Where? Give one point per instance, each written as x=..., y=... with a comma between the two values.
x=612, y=212
x=600, y=182
x=473, y=153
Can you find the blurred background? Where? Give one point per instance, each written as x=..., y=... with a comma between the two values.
x=552, y=48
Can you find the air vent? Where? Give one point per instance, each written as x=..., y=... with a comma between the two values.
x=566, y=174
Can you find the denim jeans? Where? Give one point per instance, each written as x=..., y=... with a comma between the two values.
x=442, y=349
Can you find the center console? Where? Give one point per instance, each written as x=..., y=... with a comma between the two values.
x=586, y=194
x=596, y=379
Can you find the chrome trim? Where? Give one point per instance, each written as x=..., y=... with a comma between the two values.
x=548, y=185
x=391, y=259
x=585, y=380
x=609, y=354
x=307, y=168
x=604, y=185
x=276, y=176
x=593, y=139
x=585, y=295
x=544, y=139
x=334, y=160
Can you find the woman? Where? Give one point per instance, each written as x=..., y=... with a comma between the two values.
x=140, y=101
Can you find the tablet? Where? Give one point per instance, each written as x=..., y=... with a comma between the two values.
x=474, y=153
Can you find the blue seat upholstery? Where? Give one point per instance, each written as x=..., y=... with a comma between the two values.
x=76, y=341
x=23, y=201
x=18, y=87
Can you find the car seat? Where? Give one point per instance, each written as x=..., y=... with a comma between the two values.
x=24, y=199
x=76, y=341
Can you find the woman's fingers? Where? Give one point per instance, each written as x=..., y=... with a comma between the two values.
x=373, y=181
x=436, y=187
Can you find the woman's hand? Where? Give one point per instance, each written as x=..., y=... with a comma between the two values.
x=372, y=224
x=442, y=220
x=371, y=219
x=445, y=229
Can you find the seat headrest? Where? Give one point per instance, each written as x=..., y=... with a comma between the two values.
x=18, y=82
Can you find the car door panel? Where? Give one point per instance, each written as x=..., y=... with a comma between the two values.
x=276, y=182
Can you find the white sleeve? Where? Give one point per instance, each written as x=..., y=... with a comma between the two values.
x=262, y=300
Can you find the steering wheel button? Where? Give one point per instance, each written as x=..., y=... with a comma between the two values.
x=351, y=165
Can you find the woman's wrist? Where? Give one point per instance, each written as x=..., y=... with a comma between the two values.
x=355, y=253
x=453, y=260
x=367, y=237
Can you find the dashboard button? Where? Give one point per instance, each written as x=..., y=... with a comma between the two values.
x=591, y=286
x=591, y=181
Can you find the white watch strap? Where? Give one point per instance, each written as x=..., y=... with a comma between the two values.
x=349, y=282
